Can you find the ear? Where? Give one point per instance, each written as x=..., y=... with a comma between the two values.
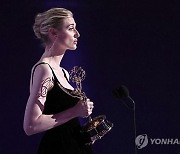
x=52, y=32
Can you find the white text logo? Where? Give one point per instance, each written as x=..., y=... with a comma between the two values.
x=142, y=141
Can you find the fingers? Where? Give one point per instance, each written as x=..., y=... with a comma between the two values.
x=89, y=102
x=88, y=107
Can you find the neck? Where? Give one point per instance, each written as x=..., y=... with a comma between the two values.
x=53, y=57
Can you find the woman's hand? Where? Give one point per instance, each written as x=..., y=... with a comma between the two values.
x=84, y=108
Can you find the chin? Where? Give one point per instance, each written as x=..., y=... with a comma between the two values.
x=73, y=48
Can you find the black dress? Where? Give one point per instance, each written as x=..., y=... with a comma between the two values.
x=66, y=138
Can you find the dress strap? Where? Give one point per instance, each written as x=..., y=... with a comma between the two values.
x=55, y=78
x=65, y=75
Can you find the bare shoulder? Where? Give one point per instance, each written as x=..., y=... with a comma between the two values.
x=41, y=68
x=40, y=72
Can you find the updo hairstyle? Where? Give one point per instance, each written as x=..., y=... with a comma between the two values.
x=52, y=18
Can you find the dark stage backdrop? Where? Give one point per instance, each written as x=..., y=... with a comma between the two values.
x=134, y=43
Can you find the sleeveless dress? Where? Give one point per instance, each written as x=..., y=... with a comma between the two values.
x=66, y=138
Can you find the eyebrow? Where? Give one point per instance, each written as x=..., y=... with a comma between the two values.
x=71, y=25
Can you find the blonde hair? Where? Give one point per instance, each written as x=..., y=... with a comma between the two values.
x=52, y=18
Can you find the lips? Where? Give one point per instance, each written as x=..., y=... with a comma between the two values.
x=75, y=42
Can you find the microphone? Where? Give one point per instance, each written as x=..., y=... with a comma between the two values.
x=122, y=93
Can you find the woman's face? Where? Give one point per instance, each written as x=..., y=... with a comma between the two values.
x=68, y=35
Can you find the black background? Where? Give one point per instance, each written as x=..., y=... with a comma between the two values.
x=134, y=43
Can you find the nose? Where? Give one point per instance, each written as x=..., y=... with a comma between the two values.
x=76, y=34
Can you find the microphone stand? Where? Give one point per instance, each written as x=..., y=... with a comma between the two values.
x=122, y=94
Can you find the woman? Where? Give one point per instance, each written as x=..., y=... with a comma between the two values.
x=51, y=106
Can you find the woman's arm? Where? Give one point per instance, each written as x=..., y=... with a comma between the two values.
x=34, y=120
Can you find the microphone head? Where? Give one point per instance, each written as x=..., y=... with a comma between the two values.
x=121, y=92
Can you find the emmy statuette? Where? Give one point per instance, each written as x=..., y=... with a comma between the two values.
x=96, y=127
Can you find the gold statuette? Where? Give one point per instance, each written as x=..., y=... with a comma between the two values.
x=96, y=127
